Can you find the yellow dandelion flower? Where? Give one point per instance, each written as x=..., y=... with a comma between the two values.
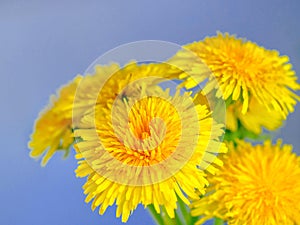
x=255, y=119
x=257, y=185
x=146, y=148
x=242, y=70
x=53, y=128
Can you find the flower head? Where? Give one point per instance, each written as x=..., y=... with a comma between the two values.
x=242, y=70
x=53, y=128
x=257, y=185
x=255, y=119
x=146, y=147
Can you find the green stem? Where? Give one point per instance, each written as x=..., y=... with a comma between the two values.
x=157, y=217
x=178, y=218
x=163, y=218
x=186, y=214
x=167, y=220
x=182, y=215
x=218, y=221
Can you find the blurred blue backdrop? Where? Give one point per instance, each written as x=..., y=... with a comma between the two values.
x=44, y=44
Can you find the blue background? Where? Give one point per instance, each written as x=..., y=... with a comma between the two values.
x=45, y=44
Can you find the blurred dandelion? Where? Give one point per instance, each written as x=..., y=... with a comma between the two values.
x=53, y=128
x=257, y=185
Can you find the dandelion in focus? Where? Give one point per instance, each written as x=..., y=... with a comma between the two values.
x=241, y=71
x=146, y=147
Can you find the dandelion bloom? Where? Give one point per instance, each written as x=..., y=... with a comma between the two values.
x=53, y=128
x=257, y=185
x=146, y=147
x=257, y=118
x=242, y=70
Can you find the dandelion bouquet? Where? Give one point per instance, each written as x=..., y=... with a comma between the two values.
x=199, y=149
